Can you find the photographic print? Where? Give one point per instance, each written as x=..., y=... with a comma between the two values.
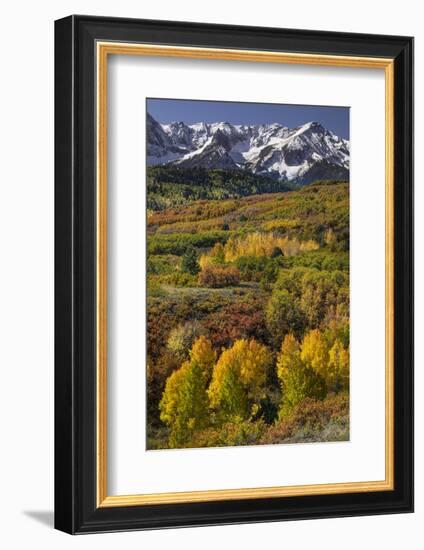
x=247, y=273
x=221, y=301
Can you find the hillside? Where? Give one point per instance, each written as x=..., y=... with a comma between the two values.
x=240, y=276
x=171, y=186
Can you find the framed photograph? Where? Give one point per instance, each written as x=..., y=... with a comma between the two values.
x=234, y=274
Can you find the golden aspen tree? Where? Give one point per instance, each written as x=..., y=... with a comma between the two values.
x=262, y=244
x=203, y=354
x=289, y=356
x=184, y=404
x=217, y=254
x=338, y=367
x=314, y=352
x=215, y=257
x=238, y=379
x=298, y=380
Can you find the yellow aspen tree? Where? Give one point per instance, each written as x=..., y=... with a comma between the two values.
x=338, y=367
x=203, y=354
x=262, y=244
x=217, y=254
x=297, y=380
x=314, y=352
x=238, y=379
x=289, y=356
x=184, y=403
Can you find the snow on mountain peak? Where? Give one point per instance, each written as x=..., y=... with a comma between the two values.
x=298, y=154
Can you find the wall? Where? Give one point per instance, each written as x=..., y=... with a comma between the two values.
x=26, y=289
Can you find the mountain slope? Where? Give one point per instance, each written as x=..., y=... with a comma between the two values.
x=170, y=185
x=299, y=155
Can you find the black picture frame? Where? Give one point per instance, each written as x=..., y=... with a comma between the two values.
x=76, y=510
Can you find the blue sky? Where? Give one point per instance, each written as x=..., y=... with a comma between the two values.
x=165, y=111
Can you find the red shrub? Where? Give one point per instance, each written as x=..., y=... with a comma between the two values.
x=216, y=276
x=236, y=320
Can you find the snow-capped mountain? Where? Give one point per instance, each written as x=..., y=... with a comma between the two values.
x=303, y=154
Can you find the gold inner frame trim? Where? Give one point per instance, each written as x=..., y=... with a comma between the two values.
x=104, y=49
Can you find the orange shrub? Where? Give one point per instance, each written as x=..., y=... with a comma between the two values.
x=217, y=276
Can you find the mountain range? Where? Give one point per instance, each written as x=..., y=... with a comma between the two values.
x=300, y=155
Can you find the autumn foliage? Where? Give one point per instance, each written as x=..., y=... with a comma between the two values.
x=248, y=317
x=184, y=403
x=212, y=399
x=264, y=244
x=312, y=420
x=216, y=276
x=238, y=379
